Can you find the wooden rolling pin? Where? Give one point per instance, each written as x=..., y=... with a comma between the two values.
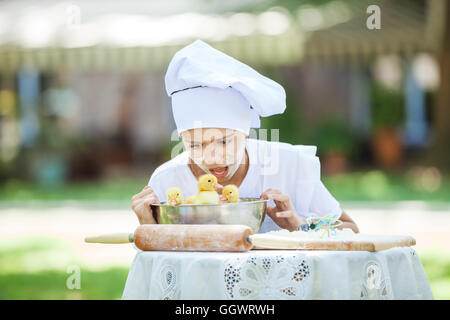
x=183, y=237
x=230, y=238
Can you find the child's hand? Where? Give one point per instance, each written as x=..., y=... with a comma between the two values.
x=283, y=213
x=140, y=203
x=218, y=187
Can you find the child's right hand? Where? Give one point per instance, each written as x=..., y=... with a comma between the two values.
x=140, y=203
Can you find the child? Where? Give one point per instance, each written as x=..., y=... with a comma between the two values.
x=215, y=101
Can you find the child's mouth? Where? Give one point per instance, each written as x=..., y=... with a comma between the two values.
x=219, y=172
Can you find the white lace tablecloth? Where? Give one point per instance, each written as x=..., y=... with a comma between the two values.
x=396, y=273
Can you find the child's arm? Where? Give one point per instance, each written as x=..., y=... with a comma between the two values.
x=140, y=203
x=283, y=213
x=324, y=203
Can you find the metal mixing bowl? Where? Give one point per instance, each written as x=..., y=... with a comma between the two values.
x=248, y=211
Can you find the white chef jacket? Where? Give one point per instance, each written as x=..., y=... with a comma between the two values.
x=292, y=169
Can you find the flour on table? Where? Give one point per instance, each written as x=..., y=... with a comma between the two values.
x=344, y=239
x=345, y=234
x=341, y=235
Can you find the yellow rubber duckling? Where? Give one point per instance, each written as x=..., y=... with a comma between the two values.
x=230, y=194
x=206, y=192
x=174, y=196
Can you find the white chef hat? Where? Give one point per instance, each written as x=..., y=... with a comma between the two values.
x=210, y=89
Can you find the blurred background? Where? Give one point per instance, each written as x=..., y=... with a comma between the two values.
x=85, y=119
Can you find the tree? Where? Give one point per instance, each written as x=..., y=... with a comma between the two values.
x=441, y=149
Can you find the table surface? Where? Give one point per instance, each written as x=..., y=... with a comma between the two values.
x=395, y=273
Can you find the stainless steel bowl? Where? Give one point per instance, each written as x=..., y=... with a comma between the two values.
x=248, y=211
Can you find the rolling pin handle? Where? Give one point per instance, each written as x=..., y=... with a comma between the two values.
x=111, y=238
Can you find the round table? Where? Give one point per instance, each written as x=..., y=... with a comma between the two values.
x=396, y=273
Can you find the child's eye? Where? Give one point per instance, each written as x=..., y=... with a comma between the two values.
x=195, y=146
x=225, y=141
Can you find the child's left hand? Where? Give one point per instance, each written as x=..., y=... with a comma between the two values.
x=283, y=213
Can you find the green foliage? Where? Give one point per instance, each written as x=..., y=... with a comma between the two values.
x=387, y=107
x=333, y=135
x=292, y=127
x=290, y=5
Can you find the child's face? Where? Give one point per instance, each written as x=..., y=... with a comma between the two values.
x=215, y=150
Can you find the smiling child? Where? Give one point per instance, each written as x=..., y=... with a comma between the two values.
x=216, y=100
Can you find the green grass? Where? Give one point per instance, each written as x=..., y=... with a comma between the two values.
x=120, y=189
x=105, y=284
x=379, y=186
x=356, y=186
x=35, y=268
x=437, y=267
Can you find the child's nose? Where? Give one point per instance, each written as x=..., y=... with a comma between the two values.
x=213, y=156
x=208, y=158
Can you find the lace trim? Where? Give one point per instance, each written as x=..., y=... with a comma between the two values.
x=168, y=284
x=263, y=277
x=376, y=286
